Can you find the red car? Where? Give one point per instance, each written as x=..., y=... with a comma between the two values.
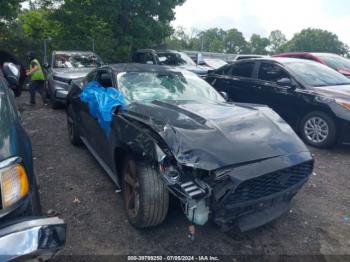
x=341, y=64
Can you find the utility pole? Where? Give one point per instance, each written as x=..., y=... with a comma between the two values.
x=93, y=45
x=45, y=51
x=45, y=48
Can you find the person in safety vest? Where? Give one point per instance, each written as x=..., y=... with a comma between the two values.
x=37, y=77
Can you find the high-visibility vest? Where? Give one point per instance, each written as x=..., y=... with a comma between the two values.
x=38, y=74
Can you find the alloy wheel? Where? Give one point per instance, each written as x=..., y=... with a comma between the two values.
x=316, y=129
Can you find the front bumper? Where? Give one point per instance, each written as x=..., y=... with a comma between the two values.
x=39, y=238
x=59, y=91
x=344, y=131
x=252, y=195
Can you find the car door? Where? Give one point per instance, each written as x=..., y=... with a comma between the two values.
x=282, y=99
x=83, y=110
x=236, y=80
x=99, y=136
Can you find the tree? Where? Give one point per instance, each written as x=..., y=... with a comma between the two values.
x=118, y=26
x=315, y=40
x=258, y=44
x=9, y=9
x=212, y=40
x=277, y=39
x=235, y=42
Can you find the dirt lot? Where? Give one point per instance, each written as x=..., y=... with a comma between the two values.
x=74, y=185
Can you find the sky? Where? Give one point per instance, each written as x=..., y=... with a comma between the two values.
x=263, y=16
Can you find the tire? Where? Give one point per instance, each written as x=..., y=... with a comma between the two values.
x=318, y=129
x=146, y=198
x=73, y=132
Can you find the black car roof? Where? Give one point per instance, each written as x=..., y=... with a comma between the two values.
x=135, y=67
x=280, y=60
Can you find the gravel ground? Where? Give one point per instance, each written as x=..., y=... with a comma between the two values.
x=74, y=185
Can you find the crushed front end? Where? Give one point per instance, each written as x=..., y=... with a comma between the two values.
x=244, y=196
x=253, y=194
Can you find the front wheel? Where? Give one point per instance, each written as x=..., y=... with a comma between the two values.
x=318, y=129
x=146, y=198
x=73, y=131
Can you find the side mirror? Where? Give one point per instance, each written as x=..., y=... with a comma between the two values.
x=285, y=83
x=11, y=73
x=224, y=95
x=46, y=66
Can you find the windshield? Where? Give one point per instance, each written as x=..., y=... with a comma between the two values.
x=76, y=60
x=315, y=74
x=335, y=61
x=149, y=86
x=175, y=59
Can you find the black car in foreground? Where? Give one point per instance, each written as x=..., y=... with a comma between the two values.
x=312, y=98
x=238, y=164
x=24, y=232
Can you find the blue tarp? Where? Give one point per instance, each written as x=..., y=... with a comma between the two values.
x=102, y=103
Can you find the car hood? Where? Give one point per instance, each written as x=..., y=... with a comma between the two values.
x=71, y=73
x=336, y=92
x=215, y=135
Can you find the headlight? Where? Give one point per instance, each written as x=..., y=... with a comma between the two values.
x=343, y=103
x=14, y=184
x=61, y=79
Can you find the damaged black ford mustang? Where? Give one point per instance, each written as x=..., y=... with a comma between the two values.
x=237, y=164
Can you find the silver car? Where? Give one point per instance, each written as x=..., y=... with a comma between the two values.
x=66, y=66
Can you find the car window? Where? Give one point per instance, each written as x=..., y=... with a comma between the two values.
x=336, y=62
x=272, y=72
x=149, y=86
x=105, y=79
x=316, y=74
x=243, y=69
x=76, y=60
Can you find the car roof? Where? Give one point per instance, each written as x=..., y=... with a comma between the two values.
x=280, y=60
x=72, y=52
x=305, y=53
x=136, y=67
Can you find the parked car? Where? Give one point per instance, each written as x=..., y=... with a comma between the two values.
x=243, y=57
x=311, y=97
x=24, y=232
x=213, y=63
x=238, y=164
x=169, y=58
x=66, y=66
x=209, y=62
x=6, y=56
x=338, y=63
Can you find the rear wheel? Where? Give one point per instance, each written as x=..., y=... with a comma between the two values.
x=318, y=129
x=146, y=198
x=73, y=131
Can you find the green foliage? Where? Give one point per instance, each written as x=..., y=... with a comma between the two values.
x=234, y=42
x=259, y=44
x=117, y=27
x=315, y=40
x=277, y=39
x=9, y=9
